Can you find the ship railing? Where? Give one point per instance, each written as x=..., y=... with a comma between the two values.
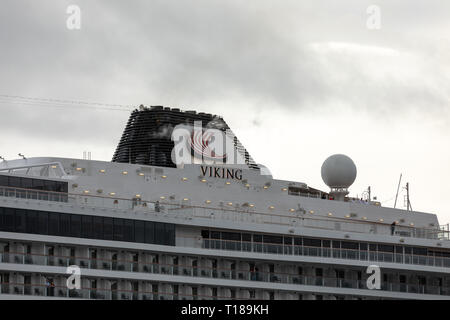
x=304, y=194
x=62, y=291
x=258, y=273
x=32, y=194
x=305, y=220
x=50, y=289
x=95, y=201
x=327, y=252
x=238, y=215
x=53, y=169
x=136, y=205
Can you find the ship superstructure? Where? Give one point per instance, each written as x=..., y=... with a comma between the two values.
x=145, y=227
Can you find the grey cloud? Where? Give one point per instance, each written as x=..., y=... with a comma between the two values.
x=193, y=54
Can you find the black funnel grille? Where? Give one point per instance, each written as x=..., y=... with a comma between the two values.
x=147, y=136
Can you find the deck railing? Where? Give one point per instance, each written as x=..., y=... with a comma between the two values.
x=211, y=272
x=336, y=253
x=61, y=291
x=181, y=209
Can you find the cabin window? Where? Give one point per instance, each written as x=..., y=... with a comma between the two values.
x=64, y=225
x=75, y=225
x=118, y=229
x=308, y=242
x=86, y=226
x=139, y=231
x=149, y=232
x=53, y=223
x=349, y=245
x=273, y=239
x=98, y=227
x=108, y=228
x=128, y=230
x=33, y=183
x=42, y=223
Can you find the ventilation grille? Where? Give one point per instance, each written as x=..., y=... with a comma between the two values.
x=147, y=140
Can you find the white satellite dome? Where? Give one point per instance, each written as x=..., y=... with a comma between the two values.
x=338, y=171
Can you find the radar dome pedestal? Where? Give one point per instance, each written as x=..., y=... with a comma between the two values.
x=338, y=172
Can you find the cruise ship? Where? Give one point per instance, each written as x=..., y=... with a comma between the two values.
x=204, y=223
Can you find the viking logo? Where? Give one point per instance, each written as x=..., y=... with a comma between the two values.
x=208, y=145
x=193, y=145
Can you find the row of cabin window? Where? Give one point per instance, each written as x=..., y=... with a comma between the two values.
x=84, y=226
x=33, y=183
x=314, y=242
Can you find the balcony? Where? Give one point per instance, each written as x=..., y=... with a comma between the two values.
x=203, y=272
x=336, y=253
x=99, y=294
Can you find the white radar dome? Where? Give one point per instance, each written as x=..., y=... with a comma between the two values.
x=338, y=171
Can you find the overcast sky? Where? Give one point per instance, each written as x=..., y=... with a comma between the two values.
x=295, y=80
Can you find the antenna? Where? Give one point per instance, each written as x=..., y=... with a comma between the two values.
x=408, y=202
x=86, y=155
x=398, y=187
x=367, y=193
